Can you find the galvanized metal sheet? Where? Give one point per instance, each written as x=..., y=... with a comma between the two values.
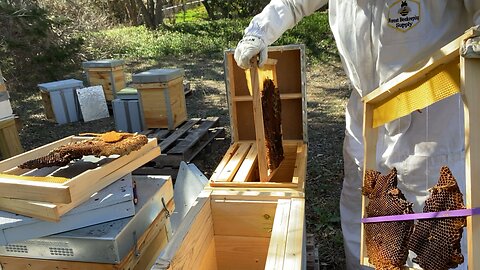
x=113, y=202
x=92, y=103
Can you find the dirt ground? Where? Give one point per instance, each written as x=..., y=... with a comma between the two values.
x=327, y=93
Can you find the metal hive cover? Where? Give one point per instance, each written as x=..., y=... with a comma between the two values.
x=59, y=85
x=104, y=63
x=158, y=75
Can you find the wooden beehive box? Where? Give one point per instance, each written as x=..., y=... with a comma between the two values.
x=161, y=97
x=69, y=186
x=5, y=106
x=239, y=166
x=442, y=74
x=60, y=100
x=136, y=244
x=225, y=230
x=9, y=140
x=109, y=73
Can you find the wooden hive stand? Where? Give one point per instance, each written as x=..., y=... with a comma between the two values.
x=445, y=70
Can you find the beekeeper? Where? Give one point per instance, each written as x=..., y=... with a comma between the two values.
x=378, y=39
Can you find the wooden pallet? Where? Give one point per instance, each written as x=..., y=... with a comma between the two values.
x=80, y=179
x=184, y=143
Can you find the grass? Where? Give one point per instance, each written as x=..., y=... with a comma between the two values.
x=204, y=38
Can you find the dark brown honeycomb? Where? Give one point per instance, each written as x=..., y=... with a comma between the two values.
x=62, y=155
x=386, y=241
x=272, y=111
x=436, y=242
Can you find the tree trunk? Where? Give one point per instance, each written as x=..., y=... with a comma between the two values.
x=209, y=8
x=159, y=13
x=132, y=11
x=146, y=15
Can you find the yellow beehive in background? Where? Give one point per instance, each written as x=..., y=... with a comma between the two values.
x=108, y=73
x=161, y=97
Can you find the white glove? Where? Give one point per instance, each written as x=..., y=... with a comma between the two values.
x=471, y=47
x=248, y=48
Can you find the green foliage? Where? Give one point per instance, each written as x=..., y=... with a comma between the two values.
x=221, y=9
x=194, y=14
x=31, y=48
x=314, y=32
x=204, y=38
x=199, y=38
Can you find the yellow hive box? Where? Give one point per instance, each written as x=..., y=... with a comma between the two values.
x=161, y=97
x=108, y=73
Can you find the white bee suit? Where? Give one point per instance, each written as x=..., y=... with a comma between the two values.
x=378, y=39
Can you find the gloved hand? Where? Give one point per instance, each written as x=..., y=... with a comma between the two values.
x=471, y=47
x=249, y=47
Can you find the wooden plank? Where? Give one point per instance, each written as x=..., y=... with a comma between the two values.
x=446, y=54
x=234, y=163
x=226, y=158
x=52, y=212
x=194, y=135
x=295, y=236
x=178, y=133
x=263, y=194
x=248, y=166
x=243, y=217
x=370, y=136
x=209, y=260
x=190, y=243
x=246, y=185
x=36, y=191
x=278, y=240
x=300, y=171
x=470, y=70
x=241, y=252
x=258, y=120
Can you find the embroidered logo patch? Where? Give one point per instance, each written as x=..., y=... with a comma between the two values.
x=403, y=15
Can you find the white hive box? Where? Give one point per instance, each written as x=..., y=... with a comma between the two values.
x=60, y=100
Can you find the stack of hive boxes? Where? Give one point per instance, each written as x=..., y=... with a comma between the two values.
x=104, y=218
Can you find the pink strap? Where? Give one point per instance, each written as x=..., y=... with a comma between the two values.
x=441, y=214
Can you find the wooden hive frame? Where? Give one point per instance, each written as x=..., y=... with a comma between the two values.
x=226, y=230
x=49, y=201
x=463, y=75
x=239, y=167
